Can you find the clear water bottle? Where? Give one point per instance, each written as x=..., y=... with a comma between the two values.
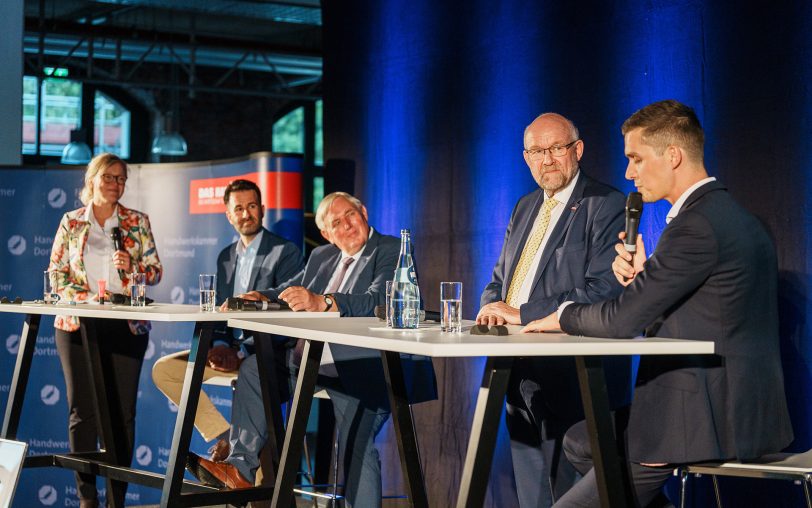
x=405, y=298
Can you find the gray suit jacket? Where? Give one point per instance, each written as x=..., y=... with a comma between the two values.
x=360, y=369
x=713, y=276
x=576, y=265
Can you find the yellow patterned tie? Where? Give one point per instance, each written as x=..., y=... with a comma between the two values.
x=529, y=253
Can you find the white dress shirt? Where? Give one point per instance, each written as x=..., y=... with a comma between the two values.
x=98, y=254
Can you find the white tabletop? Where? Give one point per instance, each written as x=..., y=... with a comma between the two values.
x=167, y=312
x=430, y=341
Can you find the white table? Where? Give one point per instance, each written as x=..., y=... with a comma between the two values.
x=369, y=333
x=175, y=492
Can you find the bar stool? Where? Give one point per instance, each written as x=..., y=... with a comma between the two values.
x=796, y=467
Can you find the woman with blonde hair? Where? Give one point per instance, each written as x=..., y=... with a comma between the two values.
x=82, y=255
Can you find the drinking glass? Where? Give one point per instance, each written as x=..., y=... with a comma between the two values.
x=451, y=306
x=208, y=292
x=138, y=289
x=50, y=283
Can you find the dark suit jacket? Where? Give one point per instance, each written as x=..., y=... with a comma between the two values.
x=359, y=369
x=713, y=276
x=277, y=261
x=576, y=265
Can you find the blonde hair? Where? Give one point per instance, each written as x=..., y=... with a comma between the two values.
x=324, y=206
x=98, y=164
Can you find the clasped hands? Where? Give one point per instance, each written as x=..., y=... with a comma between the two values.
x=298, y=298
x=626, y=266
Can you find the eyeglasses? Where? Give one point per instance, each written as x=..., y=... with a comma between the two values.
x=121, y=180
x=555, y=151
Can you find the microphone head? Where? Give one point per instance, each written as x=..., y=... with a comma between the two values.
x=634, y=205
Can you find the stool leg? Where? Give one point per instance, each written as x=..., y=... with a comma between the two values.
x=335, y=470
x=716, y=491
x=806, y=482
x=683, y=487
x=554, y=467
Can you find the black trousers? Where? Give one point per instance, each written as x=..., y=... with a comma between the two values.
x=124, y=353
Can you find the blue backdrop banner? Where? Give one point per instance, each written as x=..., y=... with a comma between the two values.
x=186, y=210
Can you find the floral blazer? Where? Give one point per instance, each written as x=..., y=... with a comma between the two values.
x=67, y=257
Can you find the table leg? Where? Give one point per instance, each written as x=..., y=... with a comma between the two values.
x=184, y=423
x=109, y=420
x=477, y=468
x=404, y=429
x=611, y=472
x=297, y=424
x=19, y=380
x=269, y=382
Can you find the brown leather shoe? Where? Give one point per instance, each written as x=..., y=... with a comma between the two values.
x=219, y=452
x=224, y=472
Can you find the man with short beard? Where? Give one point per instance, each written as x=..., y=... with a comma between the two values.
x=259, y=259
x=558, y=247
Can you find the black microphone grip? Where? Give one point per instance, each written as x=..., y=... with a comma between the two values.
x=634, y=210
x=116, y=236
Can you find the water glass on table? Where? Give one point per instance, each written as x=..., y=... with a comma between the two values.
x=451, y=306
x=138, y=289
x=208, y=292
x=49, y=286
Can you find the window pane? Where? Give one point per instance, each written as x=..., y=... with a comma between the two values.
x=318, y=157
x=61, y=113
x=288, y=133
x=318, y=191
x=111, y=127
x=29, y=114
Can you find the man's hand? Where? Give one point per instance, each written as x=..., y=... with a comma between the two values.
x=498, y=313
x=223, y=358
x=626, y=266
x=251, y=295
x=546, y=324
x=300, y=299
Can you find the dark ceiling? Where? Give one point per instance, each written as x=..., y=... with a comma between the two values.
x=247, y=47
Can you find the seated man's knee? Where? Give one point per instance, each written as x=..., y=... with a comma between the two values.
x=576, y=444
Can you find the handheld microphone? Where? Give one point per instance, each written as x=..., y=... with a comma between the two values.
x=234, y=303
x=634, y=209
x=115, y=234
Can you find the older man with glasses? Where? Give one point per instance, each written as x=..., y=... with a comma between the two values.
x=558, y=247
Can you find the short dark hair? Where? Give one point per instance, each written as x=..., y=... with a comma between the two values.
x=241, y=185
x=668, y=123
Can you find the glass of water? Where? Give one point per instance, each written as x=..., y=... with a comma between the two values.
x=451, y=306
x=138, y=289
x=50, y=284
x=208, y=292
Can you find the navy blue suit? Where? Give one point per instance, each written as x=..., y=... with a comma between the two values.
x=359, y=393
x=543, y=399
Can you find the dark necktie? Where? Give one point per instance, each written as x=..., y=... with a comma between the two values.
x=335, y=285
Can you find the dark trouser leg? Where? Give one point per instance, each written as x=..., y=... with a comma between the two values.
x=647, y=482
x=357, y=427
x=125, y=352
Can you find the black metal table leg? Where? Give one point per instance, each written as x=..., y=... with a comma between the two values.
x=269, y=383
x=109, y=419
x=19, y=380
x=184, y=423
x=297, y=424
x=478, y=458
x=610, y=468
x=404, y=429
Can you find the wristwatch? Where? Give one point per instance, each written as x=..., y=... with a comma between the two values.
x=328, y=299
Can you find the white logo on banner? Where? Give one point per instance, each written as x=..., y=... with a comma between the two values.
x=177, y=296
x=16, y=245
x=13, y=344
x=57, y=197
x=47, y=495
x=172, y=406
x=143, y=455
x=150, y=351
x=49, y=395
